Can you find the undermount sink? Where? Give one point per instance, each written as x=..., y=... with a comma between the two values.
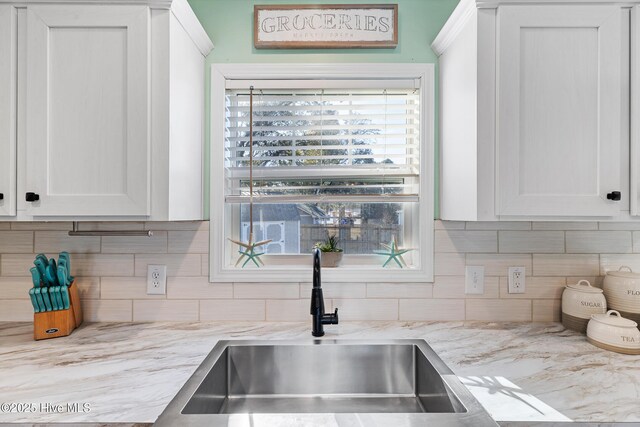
x=393, y=382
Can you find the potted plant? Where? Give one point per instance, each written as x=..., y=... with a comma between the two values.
x=331, y=254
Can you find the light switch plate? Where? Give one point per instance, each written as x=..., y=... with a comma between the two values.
x=474, y=279
x=516, y=280
x=156, y=279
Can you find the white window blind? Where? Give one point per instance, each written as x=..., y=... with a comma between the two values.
x=312, y=145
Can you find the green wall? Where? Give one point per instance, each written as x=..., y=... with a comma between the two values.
x=229, y=23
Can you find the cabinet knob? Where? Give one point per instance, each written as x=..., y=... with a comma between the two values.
x=614, y=195
x=32, y=197
x=1, y=196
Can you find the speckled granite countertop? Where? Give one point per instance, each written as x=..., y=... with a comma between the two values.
x=128, y=372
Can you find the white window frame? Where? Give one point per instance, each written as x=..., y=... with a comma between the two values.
x=220, y=73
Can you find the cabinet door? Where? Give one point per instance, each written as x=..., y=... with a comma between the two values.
x=560, y=109
x=8, y=106
x=88, y=110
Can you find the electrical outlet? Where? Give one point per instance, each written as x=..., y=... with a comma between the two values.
x=156, y=279
x=474, y=279
x=516, y=280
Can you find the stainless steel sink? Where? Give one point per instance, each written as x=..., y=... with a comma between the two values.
x=393, y=382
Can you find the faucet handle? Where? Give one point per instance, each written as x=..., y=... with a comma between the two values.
x=331, y=318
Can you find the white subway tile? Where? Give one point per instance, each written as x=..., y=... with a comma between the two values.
x=197, y=288
x=546, y=310
x=38, y=225
x=636, y=241
x=543, y=242
x=565, y=265
x=564, y=225
x=58, y=241
x=177, y=264
x=498, y=265
x=496, y=310
x=535, y=288
x=631, y=225
x=595, y=242
x=88, y=287
x=498, y=225
x=336, y=290
x=431, y=309
x=189, y=241
x=16, y=242
x=110, y=226
x=176, y=225
x=282, y=310
x=399, y=290
x=16, y=310
x=165, y=310
x=15, y=287
x=232, y=310
x=449, y=225
x=81, y=264
x=449, y=264
x=609, y=262
x=466, y=241
x=367, y=309
x=126, y=288
x=266, y=290
x=155, y=244
x=205, y=265
x=107, y=310
x=453, y=287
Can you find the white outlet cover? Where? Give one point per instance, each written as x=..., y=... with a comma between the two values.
x=156, y=279
x=474, y=279
x=516, y=280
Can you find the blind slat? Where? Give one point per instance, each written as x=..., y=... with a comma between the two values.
x=349, y=145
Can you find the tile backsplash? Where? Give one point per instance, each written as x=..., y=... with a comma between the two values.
x=111, y=273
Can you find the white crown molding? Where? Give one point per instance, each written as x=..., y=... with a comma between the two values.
x=188, y=19
x=492, y=4
x=155, y=4
x=456, y=22
x=180, y=9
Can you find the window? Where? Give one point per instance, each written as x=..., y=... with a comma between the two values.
x=346, y=156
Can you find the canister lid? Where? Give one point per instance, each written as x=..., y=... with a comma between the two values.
x=624, y=272
x=585, y=286
x=613, y=318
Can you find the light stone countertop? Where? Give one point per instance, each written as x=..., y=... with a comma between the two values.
x=128, y=372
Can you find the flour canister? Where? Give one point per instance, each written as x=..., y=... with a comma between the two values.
x=622, y=291
x=579, y=302
x=613, y=332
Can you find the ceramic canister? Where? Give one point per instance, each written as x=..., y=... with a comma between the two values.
x=579, y=302
x=613, y=332
x=622, y=291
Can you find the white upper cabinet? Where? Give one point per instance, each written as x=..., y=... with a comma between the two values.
x=88, y=110
x=8, y=91
x=101, y=110
x=559, y=109
x=535, y=111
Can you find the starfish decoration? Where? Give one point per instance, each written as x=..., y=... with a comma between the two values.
x=249, y=251
x=393, y=253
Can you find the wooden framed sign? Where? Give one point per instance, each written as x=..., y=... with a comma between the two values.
x=325, y=26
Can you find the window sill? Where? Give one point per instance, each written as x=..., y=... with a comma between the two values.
x=294, y=274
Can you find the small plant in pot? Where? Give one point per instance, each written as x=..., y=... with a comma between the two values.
x=331, y=254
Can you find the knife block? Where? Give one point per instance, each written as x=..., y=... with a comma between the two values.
x=59, y=323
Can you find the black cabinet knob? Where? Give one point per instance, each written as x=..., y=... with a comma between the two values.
x=32, y=197
x=614, y=195
x=1, y=196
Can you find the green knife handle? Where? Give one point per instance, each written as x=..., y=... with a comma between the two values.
x=45, y=297
x=34, y=301
x=64, y=293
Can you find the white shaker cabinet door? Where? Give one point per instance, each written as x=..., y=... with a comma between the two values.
x=8, y=106
x=87, y=131
x=561, y=75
